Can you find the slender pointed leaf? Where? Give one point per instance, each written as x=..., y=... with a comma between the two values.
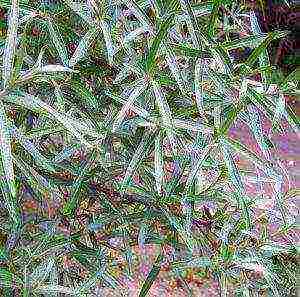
x=233, y=170
x=11, y=43
x=33, y=151
x=108, y=40
x=256, y=127
x=140, y=153
x=83, y=46
x=72, y=203
x=165, y=114
x=213, y=18
x=162, y=33
x=152, y=276
x=158, y=163
x=135, y=93
x=6, y=151
x=58, y=42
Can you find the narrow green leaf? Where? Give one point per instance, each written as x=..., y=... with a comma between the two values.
x=55, y=289
x=8, y=279
x=83, y=46
x=59, y=97
x=195, y=168
x=72, y=203
x=233, y=170
x=54, y=68
x=41, y=273
x=264, y=59
x=293, y=77
x=81, y=9
x=85, y=95
x=279, y=111
x=213, y=18
x=199, y=262
x=259, y=50
x=166, y=115
x=162, y=33
x=108, y=40
x=199, y=73
x=58, y=42
x=10, y=203
x=251, y=155
x=140, y=111
x=177, y=176
x=230, y=119
x=200, y=41
x=174, y=67
x=37, y=105
x=18, y=62
x=187, y=50
x=152, y=276
x=141, y=151
x=41, y=186
x=6, y=151
x=158, y=163
x=269, y=108
x=293, y=119
x=11, y=43
x=185, y=234
x=40, y=132
x=201, y=9
x=32, y=150
x=256, y=127
x=244, y=205
x=135, y=93
x=250, y=41
x=191, y=126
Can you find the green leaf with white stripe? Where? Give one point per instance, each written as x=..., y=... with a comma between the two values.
x=185, y=235
x=135, y=93
x=256, y=127
x=232, y=168
x=165, y=113
x=6, y=151
x=9, y=202
x=11, y=43
x=158, y=163
x=35, y=104
x=152, y=276
x=32, y=150
x=79, y=183
x=58, y=42
x=240, y=148
x=171, y=60
x=108, y=40
x=83, y=46
x=279, y=111
x=140, y=153
x=162, y=33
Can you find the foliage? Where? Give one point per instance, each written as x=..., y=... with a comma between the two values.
x=115, y=120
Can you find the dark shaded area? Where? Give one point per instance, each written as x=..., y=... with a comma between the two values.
x=279, y=16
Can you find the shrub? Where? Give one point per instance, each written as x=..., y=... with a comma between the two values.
x=118, y=129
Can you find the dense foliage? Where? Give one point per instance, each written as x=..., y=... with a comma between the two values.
x=115, y=132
